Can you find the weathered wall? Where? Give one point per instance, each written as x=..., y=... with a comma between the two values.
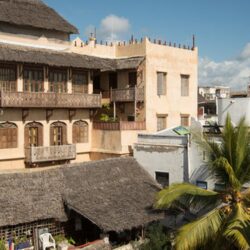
x=236, y=107
x=174, y=62
x=162, y=158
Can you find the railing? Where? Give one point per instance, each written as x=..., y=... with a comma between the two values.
x=127, y=95
x=122, y=125
x=51, y=153
x=49, y=100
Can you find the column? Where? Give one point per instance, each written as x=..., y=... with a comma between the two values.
x=69, y=83
x=19, y=77
x=90, y=82
x=46, y=78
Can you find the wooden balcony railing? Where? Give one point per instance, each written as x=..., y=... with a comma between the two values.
x=127, y=95
x=51, y=153
x=122, y=125
x=49, y=100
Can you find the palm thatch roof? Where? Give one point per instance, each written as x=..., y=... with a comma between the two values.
x=115, y=194
x=33, y=13
x=25, y=54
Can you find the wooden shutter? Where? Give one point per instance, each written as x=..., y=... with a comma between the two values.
x=184, y=85
x=40, y=135
x=26, y=137
x=51, y=135
x=75, y=133
x=64, y=134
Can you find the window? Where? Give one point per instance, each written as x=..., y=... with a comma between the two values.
x=161, y=83
x=80, y=132
x=8, y=135
x=161, y=122
x=185, y=120
x=162, y=178
x=33, y=79
x=219, y=187
x=184, y=85
x=80, y=82
x=58, y=134
x=58, y=81
x=132, y=79
x=33, y=134
x=201, y=184
x=8, y=78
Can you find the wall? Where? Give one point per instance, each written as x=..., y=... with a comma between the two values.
x=174, y=62
x=236, y=107
x=13, y=158
x=28, y=36
x=162, y=158
x=113, y=141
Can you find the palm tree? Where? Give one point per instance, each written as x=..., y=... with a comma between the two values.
x=223, y=217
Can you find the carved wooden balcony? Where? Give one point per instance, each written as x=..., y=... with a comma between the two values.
x=127, y=95
x=49, y=100
x=122, y=125
x=51, y=153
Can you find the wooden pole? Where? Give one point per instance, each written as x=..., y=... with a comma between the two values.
x=114, y=107
x=135, y=102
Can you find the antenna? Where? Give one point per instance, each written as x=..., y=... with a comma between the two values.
x=95, y=33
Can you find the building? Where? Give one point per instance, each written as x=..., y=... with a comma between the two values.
x=72, y=101
x=80, y=200
x=207, y=103
x=175, y=155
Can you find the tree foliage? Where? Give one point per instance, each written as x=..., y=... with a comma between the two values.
x=223, y=217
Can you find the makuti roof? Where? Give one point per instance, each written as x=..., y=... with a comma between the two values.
x=33, y=13
x=26, y=54
x=115, y=194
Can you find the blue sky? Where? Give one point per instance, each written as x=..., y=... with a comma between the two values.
x=221, y=27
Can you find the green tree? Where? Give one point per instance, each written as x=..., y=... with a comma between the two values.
x=223, y=217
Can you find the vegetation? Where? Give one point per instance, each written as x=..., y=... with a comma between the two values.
x=223, y=217
x=61, y=238
x=2, y=244
x=157, y=238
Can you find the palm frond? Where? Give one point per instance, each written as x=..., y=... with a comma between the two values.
x=237, y=229
x=225, y=173
x=197, y=233
x=175, y=192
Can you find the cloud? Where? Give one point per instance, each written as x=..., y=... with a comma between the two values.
x=234, y=73
x=111, y=28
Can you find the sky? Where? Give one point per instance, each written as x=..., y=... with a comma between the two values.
x=221, y=28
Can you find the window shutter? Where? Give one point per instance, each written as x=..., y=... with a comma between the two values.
x=74, y=132
x=40, y=135
x=26, y=137
x=64, y=134
x=51, y=135
x=184, y=85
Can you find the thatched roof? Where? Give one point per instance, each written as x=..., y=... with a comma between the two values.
x=33, y=13
x=25, y=54
x=115, y=194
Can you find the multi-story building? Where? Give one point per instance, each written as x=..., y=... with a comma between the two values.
x=64, y=100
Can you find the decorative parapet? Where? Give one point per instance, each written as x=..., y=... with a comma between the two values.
x=49, y=100
x=51, y=153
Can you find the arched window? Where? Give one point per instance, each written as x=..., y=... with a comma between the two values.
x=33, y=134
x=80, y=132
x=8, y=135
x=58, y=134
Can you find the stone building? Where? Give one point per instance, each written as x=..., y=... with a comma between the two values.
x=53, y=89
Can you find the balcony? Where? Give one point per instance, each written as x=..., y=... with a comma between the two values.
x=48, y=100
x=51, y=153
x=127, y=95
x=122, y=125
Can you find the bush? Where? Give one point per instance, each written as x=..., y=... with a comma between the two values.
x=156, y=238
